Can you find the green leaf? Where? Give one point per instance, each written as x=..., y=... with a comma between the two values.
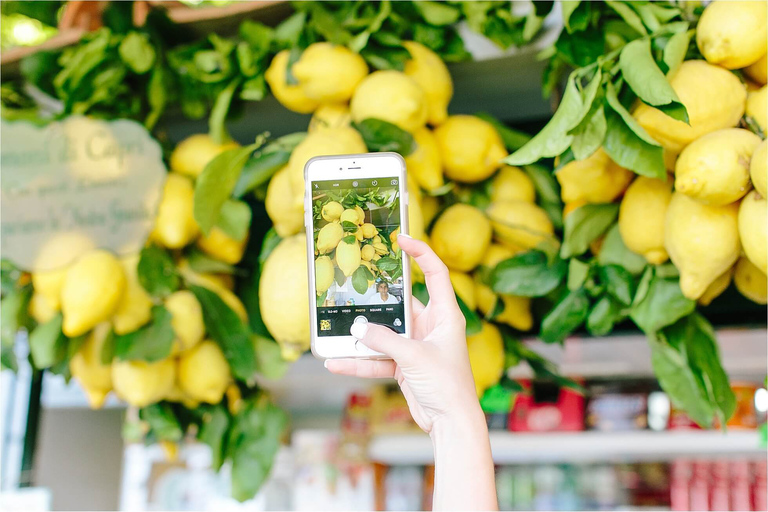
x=568, y=7
x=588, y=96
x=137, y=52
x=437, y=13
x=630, y=151
x=553, y=139
x=544, y=182
x=216, y=183
x=628, y=15
x=216, y=127
x=645, y=78
x=226, y=328
x=254, y=89
x=108, y=350
x=13, y=309
x=157, y=96
x=235, y=219
x=662, y=305
x=204, y=264
x=578, y=271
x=162, y=421
x=567, y=315
x=618, y=282
x=585, y=224
x=542, y=368
x=497, y=399
x=349, y=226
x=473, y=323
x=260, y=168
x=249, y=294
x=604, y=315
x=156, y=272
x=387, y=264
x=614, y=252
x=47, y=344
x=674, y=52
x=349, y=239
x=152, y=342
x=213, y=432
x=611, y=95
x=269, y=361
x=528, y=275
x=360, y=279
x=381, y=135
x=268, y=244
x=288, y=32
x=338, y=276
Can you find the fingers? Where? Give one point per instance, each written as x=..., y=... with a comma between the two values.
x=435, y=272
x=365, y=368
x=417, y=306
x=382, y=339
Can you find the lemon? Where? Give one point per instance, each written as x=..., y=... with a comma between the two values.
x=283, y=293
x=702, y=241
x=732, y=34
x=195, y=152
x=330, y=115
x=716, y=105
x=360, y=215
x=135, y=308
x=517, y=310
x=141, y=383
x=716, y=288
x=753, y=229
x=519, y=224
x=287, y=214
x=328, y=72
x=175, y=224
x=596, y=179
x=391, y=96
x=425, y=163
x=331, y=211
x=331, y=141
x=93, y=288
x=750, y=281
x=758, y=170
x=497, y=253
x=348, y=256
x=670, y=159
x=291, y=97
x=369, y=230
x=512, y=184
x=87, y=368
x=214, y=284
x=48, y=285
x=177, y=395
x=429, y=206
x=329, y=236
x=186, y=318
x=324, y=273
x=40, y=309
x=203, y=373
x=472, y=149
x=221, y=246
x=464, y=287
x=367, y=252
x=350, y=215
x=486, y=357
x=51, y=264
x=641, y=217
x=461, y=236
x=757, y=107
x=714, y=168
x=430, y=72
x=757, y=71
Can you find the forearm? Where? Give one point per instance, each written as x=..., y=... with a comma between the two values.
x=464, y=476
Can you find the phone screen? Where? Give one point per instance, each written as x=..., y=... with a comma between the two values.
x=358, y=264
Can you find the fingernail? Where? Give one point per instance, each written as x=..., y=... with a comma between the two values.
x=404, y=235
x=325, y=363
x=358, y=330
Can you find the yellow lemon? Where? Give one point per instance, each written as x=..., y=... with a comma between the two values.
x=221, y=246
x=596, y=179
x=324, y=274
x=701, y=240
x=330, y=115
x=758, y=170
x=519, y=224
x=93, y=288
x=431, y=73
x=331, y=141
x=512, y=184
x=186, y=318
x=329, y=236
x=461, y=236
x=391, y=96
x=283, y=292
x=348, y=256
x=349, y=215
x=141, y=383
x=757, y=107
x=328, y=72
x=732, y=34
x=195, y=152
x=486, y=356
x=367, y=252
x=714, y=168
x=51, y=264
x=425, y=163
x=430, y=205
x=203, y=373
x=750, y=281
x=472, y=149
x=332, y=210
x=286, y=214
x=464, y=287
x=40, y=309
x=175, y=224
x=753, y=229
x=516, y=312
x=369, y=230
x=757, y=71
x=291, y=97
x=497, y=253
x=716, y=288
x=642, y=215
x=88, y=369
x=135, y=308
x=717, y=105
x=360, y=215
x=48, y=285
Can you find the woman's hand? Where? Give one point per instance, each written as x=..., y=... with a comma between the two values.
x=432, y=368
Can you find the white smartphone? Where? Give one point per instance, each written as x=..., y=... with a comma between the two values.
x=354, y=207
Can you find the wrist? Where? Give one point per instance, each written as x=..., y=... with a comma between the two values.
x=467, y=420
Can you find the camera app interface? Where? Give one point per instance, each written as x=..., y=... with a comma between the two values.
x=358, y=263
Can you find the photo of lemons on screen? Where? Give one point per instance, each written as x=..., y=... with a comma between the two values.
x=358, y=263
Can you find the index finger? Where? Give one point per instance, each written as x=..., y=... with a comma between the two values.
x=435, y=272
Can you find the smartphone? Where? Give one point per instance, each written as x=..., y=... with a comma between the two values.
x=354, y=207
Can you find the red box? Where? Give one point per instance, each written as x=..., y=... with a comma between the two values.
x=547, y=407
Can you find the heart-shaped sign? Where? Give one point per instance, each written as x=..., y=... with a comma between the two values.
x=75, y=185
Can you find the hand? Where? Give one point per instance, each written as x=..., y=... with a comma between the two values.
x=433, y=368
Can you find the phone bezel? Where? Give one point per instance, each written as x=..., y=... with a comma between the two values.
x=364, y=166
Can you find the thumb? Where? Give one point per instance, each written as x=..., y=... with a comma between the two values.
x=382, y=339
